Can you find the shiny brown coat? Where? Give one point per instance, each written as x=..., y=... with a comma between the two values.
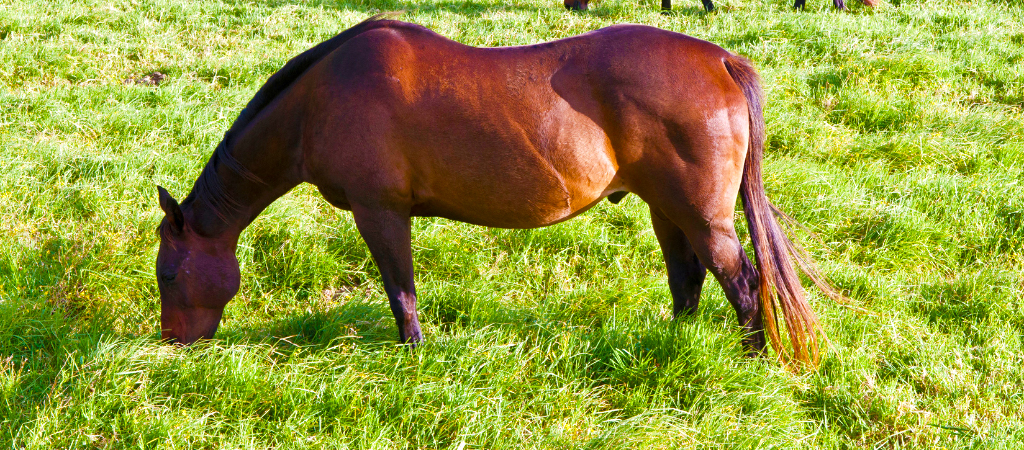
x=391, y=120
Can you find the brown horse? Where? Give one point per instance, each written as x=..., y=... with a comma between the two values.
x=666, y=5
x=391, y=120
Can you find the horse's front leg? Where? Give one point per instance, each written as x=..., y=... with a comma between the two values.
x=388, y=235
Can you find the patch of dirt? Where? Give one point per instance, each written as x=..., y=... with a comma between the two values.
x=151, y=79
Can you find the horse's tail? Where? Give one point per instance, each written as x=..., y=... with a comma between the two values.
x=773, y=251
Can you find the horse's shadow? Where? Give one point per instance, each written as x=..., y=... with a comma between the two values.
x=624, y=356
x=681, y=356
x=361, y=320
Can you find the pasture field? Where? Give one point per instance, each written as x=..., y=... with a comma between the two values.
x=895, y=135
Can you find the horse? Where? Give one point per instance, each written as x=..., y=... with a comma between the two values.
x=666, y=5
x=390, y=120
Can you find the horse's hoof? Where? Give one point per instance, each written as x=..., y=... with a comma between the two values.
x=576, y=5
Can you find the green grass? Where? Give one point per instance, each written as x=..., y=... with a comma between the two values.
x=895, y=134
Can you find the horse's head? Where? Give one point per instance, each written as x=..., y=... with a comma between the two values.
x=196, y=275
x=578, y=5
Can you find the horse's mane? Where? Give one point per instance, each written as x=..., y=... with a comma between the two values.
x=208, y=182
x=294, y=68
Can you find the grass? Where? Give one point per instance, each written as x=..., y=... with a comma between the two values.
x=895, y=134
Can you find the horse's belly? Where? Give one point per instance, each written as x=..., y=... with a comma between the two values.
x=514, y=213
x=519, y=183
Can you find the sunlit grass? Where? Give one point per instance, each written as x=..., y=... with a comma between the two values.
x=895, y=134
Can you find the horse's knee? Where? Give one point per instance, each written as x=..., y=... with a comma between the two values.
x=747, y=301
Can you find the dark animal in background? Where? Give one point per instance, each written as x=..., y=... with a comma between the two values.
x=391, y=120
x=666, y=5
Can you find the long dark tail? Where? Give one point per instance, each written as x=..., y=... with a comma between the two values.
x=773, y=251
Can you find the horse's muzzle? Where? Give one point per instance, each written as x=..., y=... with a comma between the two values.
x=183, y=327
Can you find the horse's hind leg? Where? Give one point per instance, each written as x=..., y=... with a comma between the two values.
x=388, y=234
x=719, y=249
x=685, y=272
x=708, y=228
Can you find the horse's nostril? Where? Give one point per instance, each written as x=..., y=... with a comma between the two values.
x=169, y=337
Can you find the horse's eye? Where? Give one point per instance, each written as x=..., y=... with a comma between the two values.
x=168, y=277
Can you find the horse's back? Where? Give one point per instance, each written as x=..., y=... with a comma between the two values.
x=509, y=136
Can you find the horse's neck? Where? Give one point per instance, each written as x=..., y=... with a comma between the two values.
x=235, y=186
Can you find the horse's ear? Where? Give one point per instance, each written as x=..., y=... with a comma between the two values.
x=173, y=211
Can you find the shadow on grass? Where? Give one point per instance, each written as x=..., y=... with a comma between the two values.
x=640, y=357
x=360, y=320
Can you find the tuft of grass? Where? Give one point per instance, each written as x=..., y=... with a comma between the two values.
x=895, y=134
